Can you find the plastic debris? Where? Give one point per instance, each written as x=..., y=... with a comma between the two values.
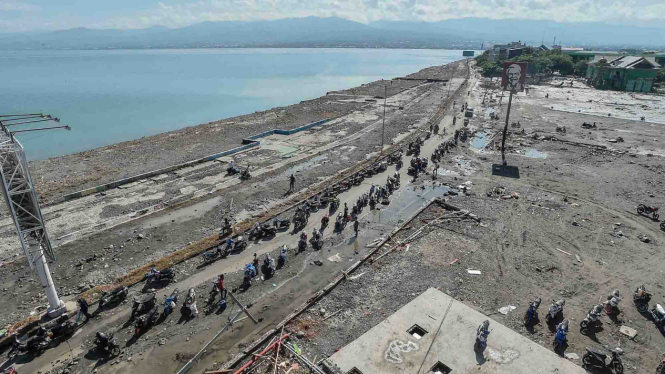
x=572, y=356
x=473, y=272
x=335, y=258
x=629, y=332
x=506, y=309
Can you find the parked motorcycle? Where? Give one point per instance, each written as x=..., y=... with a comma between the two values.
x=63, y=328
x=145, y=321
x=143, y=303
x=661, y=367
x=324, y=221
x=245, y=175
x=481, y=337
x=532, y=312
x=170, y=302
x=658, y=315
x=641, y=299
x=232, y=170
x=612, y=303
x=646, y=210
x=33, y=345
x=597, y=359
x=560, y=339
x=240, y=244
x=189, y=307
x=334, y=204
x=282, y=224
x=316, y=242
x=555, y=309
x=592, y=318
x=155, y=275
x=213, y=255
x=107, y=343
x=113, y=297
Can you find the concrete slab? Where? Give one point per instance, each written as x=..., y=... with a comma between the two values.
x=159, y=177
x=390, y=348
x=190, y=169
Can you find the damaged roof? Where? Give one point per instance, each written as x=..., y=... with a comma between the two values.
x=627, y=62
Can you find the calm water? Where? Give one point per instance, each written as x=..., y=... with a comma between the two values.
x=112, y=96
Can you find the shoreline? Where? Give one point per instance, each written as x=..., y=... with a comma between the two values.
x=59, y=176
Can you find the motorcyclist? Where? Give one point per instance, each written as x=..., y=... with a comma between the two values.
x=102, y=341
x=282, y=255
x=303, y=236
x=562, y=327
x=256, y=228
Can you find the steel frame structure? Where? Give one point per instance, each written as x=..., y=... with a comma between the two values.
x=21, y=198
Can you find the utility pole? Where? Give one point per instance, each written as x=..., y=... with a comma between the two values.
x=505, y=130
x=21, y=199
x=383, y=131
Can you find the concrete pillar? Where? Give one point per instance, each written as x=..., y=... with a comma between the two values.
x=56, y=306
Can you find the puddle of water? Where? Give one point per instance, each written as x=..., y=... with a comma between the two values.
x=408, y=201
x=534, y=153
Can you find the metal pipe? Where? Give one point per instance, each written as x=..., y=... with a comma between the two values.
x=35, y=121
x=66, y=127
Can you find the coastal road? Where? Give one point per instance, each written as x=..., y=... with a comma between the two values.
x=283, y=297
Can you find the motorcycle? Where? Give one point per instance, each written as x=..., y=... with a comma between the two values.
x=212, y=256
x=64, y=328
x=302, y=244
x=658, y=315
x=282, y=256
x=592, y=318
x=560, y=339
x=339, y=222
x=555, y=309
x=334, y=204
x=596, y=359
x=646, y=210
x=33, y=345
x=240, y=244
x=189, y=307
x=612, y=303
x=170, y=302
x=282, y=224
x=481, y=337
x=157, y=276
x=107, y=343
x=245, y=175
x=145, y=321
x=142, y=304
x=316, y=242
x=532, y=312
x=661, y=367
x=641, y=299
x=113, y=297
x=324, y=221
x=232, y=170
x=269, y=267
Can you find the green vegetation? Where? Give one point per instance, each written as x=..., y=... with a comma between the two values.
x=543, y=63
x=661, y=76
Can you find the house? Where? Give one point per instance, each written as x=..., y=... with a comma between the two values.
x=507, y=51
x=623, y=73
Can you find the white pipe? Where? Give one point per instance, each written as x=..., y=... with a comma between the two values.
x=56, y=306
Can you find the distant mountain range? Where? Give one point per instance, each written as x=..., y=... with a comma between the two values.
x=338, y=32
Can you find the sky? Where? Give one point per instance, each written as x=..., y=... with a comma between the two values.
x=44, y=15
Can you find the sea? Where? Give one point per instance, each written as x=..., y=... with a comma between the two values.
x=110, y=96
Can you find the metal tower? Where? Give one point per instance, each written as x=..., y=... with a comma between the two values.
x=21, y=198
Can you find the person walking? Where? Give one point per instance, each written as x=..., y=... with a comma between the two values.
x=255, y=263
x=292, y=182
x=356, y=225
x=83, y=310
x=220, y=286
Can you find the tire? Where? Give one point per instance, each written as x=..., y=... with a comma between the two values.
x=660, y=369
x=640, y=209
x=476, y=347
x=642, y=307
x=656, y=216
x=618, y=368
x=587, y=360
x=115, y=351
x=662, y=226
x=555, y=346
x=584, y=324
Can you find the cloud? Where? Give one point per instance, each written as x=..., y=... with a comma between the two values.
x=15, y=6
x=179, y=13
